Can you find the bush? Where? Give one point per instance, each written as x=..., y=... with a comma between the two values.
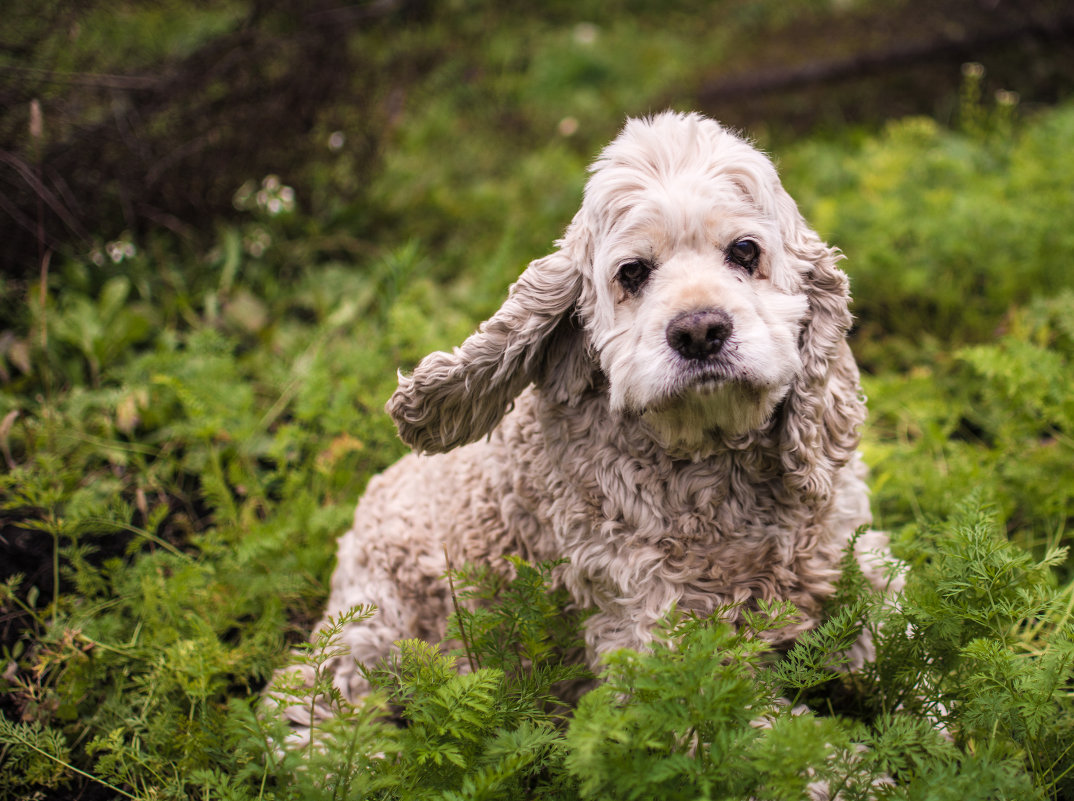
x=997, y=417
x=944, y=231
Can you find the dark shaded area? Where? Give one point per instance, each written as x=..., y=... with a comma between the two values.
x=167, y=148
x=892, y=60
x=28, y=553
x=176, y=143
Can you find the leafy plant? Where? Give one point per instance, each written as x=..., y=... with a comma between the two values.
x=944, y=232
x=995, y=416
x=490, y=732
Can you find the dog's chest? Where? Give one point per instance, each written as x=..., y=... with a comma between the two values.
x=642, y=530
x=617, y=496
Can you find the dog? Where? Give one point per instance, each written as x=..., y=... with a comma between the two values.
x=668, y=401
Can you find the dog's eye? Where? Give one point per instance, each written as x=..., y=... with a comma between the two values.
x=745, y=254
x=633, y=274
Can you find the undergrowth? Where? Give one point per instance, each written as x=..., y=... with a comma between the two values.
x=968, y=696
x=962, y=701
x=995, y=416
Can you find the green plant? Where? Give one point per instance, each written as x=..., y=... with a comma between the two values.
x=995, y=416
x=967, y=694
x=955, y=652
x=491, y=732
x=944, y=232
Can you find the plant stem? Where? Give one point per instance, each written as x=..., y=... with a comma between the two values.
x=458, y=613
x=71, y=767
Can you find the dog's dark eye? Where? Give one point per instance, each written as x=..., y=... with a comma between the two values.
x=745, y=254
x=633, y=274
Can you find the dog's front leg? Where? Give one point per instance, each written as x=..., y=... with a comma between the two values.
x=399, y=575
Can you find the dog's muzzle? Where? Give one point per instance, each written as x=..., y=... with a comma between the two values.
x=698, y=336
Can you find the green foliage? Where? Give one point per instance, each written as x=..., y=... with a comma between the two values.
x=187, y=495
x=980, y=642
x=32, y=755
x=675, y=723
x=487, y=733
x=943, y=230
x=350, y=747
x=526, y=628
x=997, y=417
x=817, y=653
x=686, y=719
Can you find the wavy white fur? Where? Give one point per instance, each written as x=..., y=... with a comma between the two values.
x=570, y=426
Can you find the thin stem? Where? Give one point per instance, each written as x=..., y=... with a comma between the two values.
x=141, y=532
x=458, y=613
x=71, y=767
x=55, y=575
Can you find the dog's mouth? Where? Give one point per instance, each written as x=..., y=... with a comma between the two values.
x=710, y=402
x=707, y=381
x=699, y=385
x=710, y=377
x=723, y=383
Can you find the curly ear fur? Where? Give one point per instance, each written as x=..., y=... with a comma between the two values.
x=454, y=398
x=824, y=410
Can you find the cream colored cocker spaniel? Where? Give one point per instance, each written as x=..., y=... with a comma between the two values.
x=667, y=400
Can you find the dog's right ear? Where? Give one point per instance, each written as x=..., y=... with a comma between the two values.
x=454, y=398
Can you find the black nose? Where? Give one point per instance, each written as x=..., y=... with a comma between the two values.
x=699, y=335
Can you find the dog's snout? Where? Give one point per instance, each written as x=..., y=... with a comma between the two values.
x=699, y=335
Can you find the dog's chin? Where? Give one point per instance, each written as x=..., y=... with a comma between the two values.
x=695, y=415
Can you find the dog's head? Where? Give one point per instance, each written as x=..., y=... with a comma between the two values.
x=689, y=288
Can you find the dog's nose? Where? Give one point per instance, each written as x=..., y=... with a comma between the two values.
x=699, y=335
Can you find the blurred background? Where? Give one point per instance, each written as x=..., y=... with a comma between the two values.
x=139, y=116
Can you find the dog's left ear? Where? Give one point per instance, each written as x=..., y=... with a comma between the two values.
x=454, y=398
x=823, y=413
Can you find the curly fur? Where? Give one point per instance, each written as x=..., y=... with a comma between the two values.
x=568, y=425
